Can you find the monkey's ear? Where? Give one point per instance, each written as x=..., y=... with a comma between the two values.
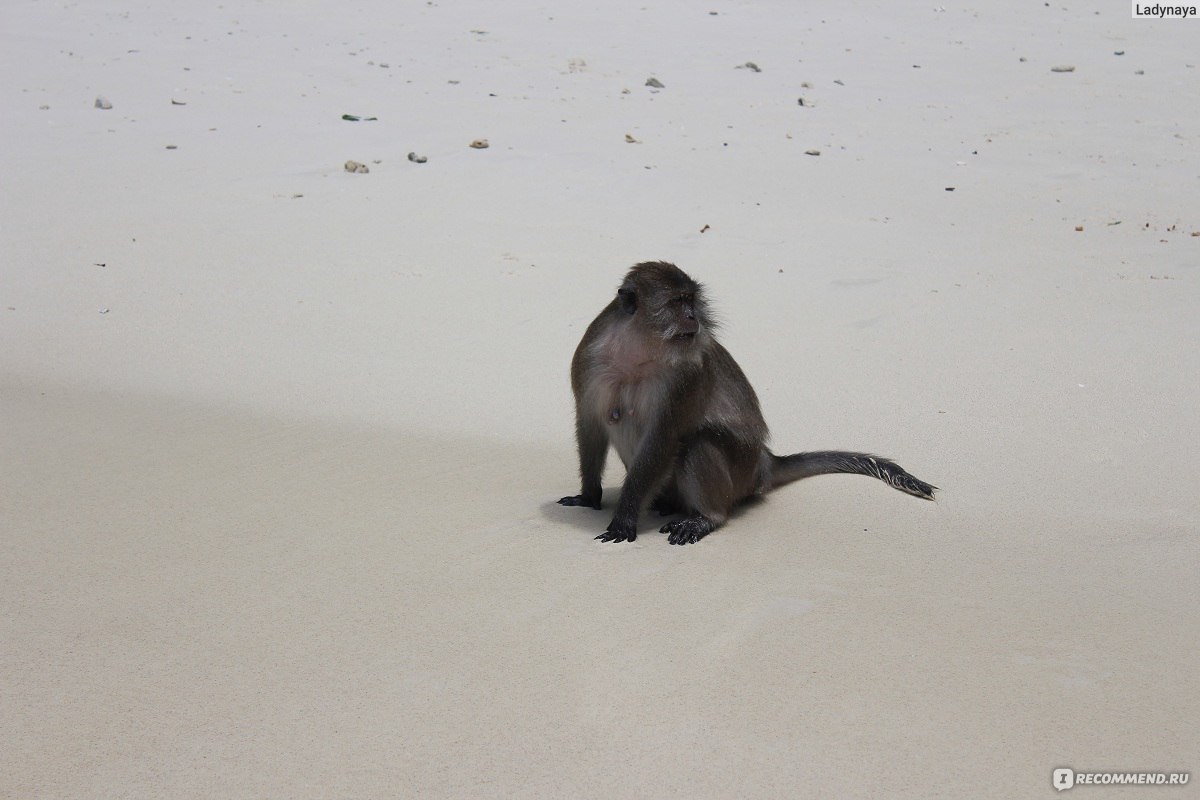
x=627, y=295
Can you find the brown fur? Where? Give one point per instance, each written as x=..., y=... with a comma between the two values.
x=650, y=379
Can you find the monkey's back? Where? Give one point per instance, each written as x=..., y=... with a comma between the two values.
x=732, y=406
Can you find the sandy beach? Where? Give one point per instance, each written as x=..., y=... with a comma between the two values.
x=280, y=443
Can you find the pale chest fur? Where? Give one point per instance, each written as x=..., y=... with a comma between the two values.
x=629, y=388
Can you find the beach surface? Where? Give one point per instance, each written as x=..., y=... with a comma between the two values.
x=280, y=443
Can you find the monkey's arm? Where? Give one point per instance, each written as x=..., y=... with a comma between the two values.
x=647, y=473
x=593, y=449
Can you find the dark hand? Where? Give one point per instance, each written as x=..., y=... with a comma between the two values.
x=619, y=530
x=581, y=500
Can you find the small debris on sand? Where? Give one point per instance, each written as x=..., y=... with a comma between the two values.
x=1078, y=228
x=416, y=159
x=655, y=83
x=480, y=144
x=355, y=166
x=102, y=102
x=629, y=138
x=175, y=102
x=750, y=65
x=812, y=152
x=356, y=118
x=1062, y=68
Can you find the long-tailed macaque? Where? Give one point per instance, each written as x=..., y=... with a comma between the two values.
x=650, y=379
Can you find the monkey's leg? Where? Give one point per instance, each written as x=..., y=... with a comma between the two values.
x=667, y=502
x=650, y=469
x=593, y=450
x=706, y=486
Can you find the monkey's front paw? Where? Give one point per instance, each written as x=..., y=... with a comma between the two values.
x=619, y=531
x=688, y=530
x=580, y=500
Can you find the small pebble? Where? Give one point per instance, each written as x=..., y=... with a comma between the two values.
x=102, y=102
x=629, y=138
x=1062, y=69
x=480, y=144
x=750, y=65
x=655, y=83
x=354, y=166
x=416, y=159
x=812, y=152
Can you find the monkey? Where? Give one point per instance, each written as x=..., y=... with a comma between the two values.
x=651, y=380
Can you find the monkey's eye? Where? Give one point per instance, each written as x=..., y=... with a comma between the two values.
x=686, y=297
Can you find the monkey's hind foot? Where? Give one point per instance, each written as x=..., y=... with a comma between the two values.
x=580, y=500
x=619, y=531
x=688, y=530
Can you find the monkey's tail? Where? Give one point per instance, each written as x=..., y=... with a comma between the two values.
x=785, y=469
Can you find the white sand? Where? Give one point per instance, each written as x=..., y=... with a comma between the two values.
x=279, y=523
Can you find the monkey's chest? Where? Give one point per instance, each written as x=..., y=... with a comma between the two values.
x=627, y=409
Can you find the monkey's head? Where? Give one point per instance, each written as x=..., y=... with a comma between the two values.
x=665, y=300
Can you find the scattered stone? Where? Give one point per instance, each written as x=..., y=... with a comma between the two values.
x=356, y=118
x=175, y=102
x=838, y=82
x=172, y=147
x=950, y=188
x=813, y=152
x=104, y=311
x=354, y=166
x=1062, y=68
x=416, y=159
x=102, y=102
x=43, y=108
x=750, y=65
x=655, y=83
x=1140, y=72
x=629, y=138
x=1078, y=228
x=1118, y=52
x=480, y=144
x=800, y=101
